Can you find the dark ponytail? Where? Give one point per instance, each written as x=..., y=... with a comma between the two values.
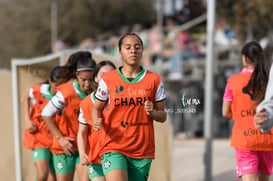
x=57, y=73
x=257, y=84
x=79, y=58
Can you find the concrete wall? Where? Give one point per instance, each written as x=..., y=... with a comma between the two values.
x=7, y=165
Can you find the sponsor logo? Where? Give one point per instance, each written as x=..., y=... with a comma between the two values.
x=124, y=124
x=133, y=101
x=247, y=167
x=248, y=112
x=251, y=131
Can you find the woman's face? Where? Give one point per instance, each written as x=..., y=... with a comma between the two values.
x=131, y=50
x=103, y=69
x=85, y=81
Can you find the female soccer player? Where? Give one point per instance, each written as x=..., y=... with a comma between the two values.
x=88, y=139
x=65, y=106
x=36, y=135
x=135, y=97
x=253, y=149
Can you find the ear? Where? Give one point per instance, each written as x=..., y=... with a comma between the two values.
x=77, y=74
x=244, y=58
x=96, y=79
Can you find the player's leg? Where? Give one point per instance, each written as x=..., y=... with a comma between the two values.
x=52, y=173
x=115, y=166
x=41, y=159
x=250, y=177
x=139, y=169
x=263, y=177
x=265, y=165
x=95, y=172
x=51, y=176
x=247, y=164
x=42, y=169
x=64, y=166
x=82, y=171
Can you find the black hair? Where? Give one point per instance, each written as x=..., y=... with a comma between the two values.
x=86, y=64
x=99, y=66
x=55, y=74
x=256, y=85
x=80, y=59
x=128, y=34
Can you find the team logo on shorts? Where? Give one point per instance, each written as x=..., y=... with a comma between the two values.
x=107, y=164
x=35, y=154
x=59, y=165
x=91, y=170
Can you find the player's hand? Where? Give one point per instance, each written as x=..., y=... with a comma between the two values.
x=67, y=144
x=149, y=107
x=97, y=124
x=31, y=126
x=260, y=118
x=84, y=160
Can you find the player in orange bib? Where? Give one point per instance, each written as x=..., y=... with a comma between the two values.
x=65, y=106
x=88, y=139
x=36, y=135
x=244, y=91
x=135, y=97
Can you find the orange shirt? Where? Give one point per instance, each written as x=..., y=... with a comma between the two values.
x=94, y=139
x=42, y=138
x=127, y=128
x=67, y=120
x=244, y=133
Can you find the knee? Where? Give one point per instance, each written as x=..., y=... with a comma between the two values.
x=42, y=176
